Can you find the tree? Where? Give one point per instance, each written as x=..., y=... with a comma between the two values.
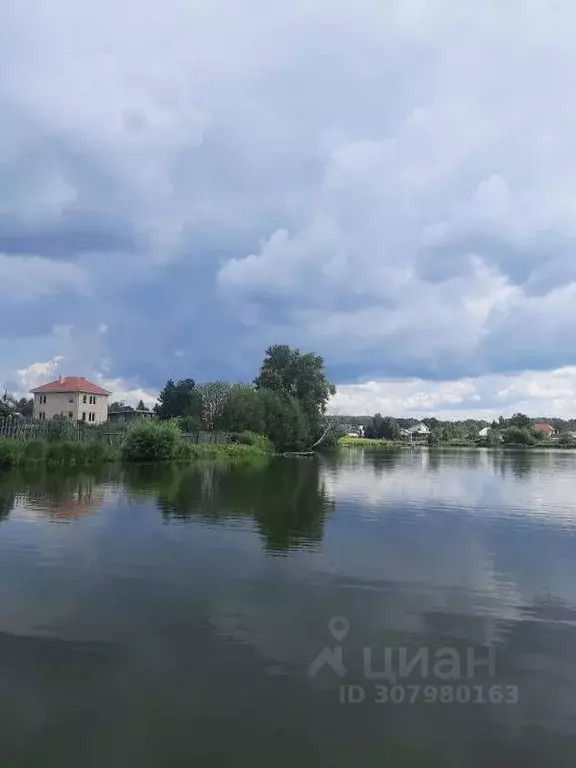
x=243, y=410
x=433, y=437
x=284, y=421
x=181, y=399
x=383, y=428
x=6, y=405
x=214, y=396
x=119, y=405
x=25, y=407
x=518, y=436
x=290, y=373
x=519, y=420
x=141, y=406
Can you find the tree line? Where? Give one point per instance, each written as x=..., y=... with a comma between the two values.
x=286, y=401
x=516, y=429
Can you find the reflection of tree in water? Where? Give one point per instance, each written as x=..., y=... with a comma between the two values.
x=384, y=461
x=7, y=500
x=286, y=498
x=520, y=463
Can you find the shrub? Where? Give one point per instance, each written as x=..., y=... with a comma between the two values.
x=35, y=451
x=97, y=453
x=253, y=439
x=55, y=453
x=518, y=436
x=184, y=451
x=9, y=454
x=152, y=441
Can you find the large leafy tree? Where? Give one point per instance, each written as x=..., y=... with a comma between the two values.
x=243, y=410
x=179, y=399
x=519, y=420
x=301, y=376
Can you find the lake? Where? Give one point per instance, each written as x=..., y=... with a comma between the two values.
x=371, y=609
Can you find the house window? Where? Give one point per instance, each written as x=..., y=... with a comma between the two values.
x=84, y=415
x=42, y=399
x=70, y=414
x=84, y=398
x=42, y=416
x=92, y=400
x=71, y=399
x=91, y=417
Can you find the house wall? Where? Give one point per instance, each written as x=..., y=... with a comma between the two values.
x=100, y=409
x=66, y=403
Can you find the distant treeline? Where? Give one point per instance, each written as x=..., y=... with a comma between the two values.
x=518, y=428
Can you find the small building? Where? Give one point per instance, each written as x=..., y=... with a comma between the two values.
x=126, y=416
x=416, y=434
x=546, y=429
x=484, y=432
x=72, y=397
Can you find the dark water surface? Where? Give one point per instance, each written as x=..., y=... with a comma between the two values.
x=181, y=616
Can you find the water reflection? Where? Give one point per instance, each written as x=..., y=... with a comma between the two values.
x=61, y=495
x=159, y=604
x=287, y=499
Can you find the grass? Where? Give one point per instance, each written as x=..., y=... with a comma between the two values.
x=366, y=442
x=21, y=453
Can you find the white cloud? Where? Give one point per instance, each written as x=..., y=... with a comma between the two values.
x=537, y=393
x=31, y=276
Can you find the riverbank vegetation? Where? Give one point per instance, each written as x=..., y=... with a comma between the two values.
x=286, y=403
x=518, y=431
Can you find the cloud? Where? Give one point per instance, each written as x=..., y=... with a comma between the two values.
x=537, y=393
x=381, y=183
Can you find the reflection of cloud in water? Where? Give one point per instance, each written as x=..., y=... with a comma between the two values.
x=513, y=484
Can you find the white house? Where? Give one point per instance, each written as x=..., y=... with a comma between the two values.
x=417, y=433
x=73, y=397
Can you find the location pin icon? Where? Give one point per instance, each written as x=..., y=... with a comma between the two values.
x=339, y=627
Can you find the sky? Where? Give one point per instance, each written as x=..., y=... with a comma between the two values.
x=390, y=185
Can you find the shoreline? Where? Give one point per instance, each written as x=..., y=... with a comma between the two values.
x=396, y=445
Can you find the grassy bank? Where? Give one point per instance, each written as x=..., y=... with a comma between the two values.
x=145, y=442
x=387, y=445
x=366, y=442
x=18, y=453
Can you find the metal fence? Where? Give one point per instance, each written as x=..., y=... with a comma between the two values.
x=21, y=429
x=219, y=438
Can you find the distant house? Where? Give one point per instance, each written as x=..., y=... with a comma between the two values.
x=484, y=432
x=124, y=416
x=355, y=431
x=73, y=397
x=546, y=429
x=416, y=434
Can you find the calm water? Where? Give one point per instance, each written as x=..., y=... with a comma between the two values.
x=178, y=617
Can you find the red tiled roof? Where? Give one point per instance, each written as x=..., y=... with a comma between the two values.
x=544, y=428
x=71, y=384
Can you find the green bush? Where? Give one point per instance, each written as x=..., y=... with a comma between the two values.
x=35, y=451
x=55, y=453
x=253, y=439
x=9, y=454
x=97, y=453
x=518, y=436
x=152, y=441
x=184, y=451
